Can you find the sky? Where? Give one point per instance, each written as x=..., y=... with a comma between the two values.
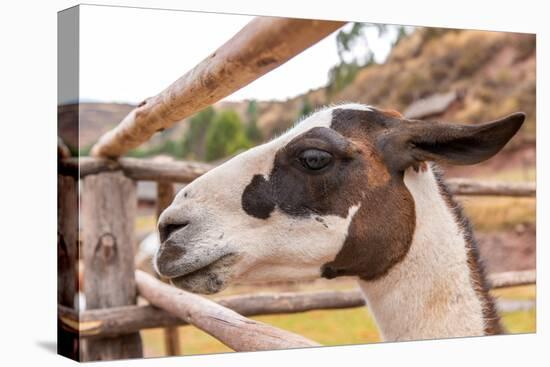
x=127, y=54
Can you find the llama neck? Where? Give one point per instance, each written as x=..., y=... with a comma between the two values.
x=432, y=293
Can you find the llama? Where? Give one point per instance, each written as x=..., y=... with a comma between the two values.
x=351, y=190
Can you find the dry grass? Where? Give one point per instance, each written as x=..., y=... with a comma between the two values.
x=498, y=213
x=525, y=174
x=525, y=292
x=146, y=223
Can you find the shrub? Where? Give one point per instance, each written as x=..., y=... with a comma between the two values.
x=305, y=109
x=252, y=132
x=193, y=140
x=225, y=136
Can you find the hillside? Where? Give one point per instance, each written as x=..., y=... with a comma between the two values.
x=493, y=72
x=94, y=119
x=490, y=74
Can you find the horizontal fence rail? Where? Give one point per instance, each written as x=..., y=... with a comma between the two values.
x=185, y=172
x=262, y=45
x=140, y=169
x=121, y=320
x=229, y=327
x=463, y=186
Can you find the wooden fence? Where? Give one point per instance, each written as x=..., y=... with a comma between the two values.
x=109, y=327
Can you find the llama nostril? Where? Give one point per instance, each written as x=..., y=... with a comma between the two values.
x=166, y=229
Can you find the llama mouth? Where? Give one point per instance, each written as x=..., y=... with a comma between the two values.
x=209, y=279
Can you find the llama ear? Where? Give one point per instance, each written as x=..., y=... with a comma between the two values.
x=413, y=142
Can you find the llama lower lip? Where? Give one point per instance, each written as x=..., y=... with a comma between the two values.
x=207, y=268
x=208, y=279
x=199, y=282
x=194, y=272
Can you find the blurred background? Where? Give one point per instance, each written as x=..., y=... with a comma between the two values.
x=450, y=75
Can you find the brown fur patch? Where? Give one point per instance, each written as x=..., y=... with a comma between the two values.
x=379, y=235
x=381, y=232
x=299, y=192
x=377, y=173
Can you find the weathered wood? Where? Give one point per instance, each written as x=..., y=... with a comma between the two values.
x=108, y=214
x=121, y=320
x=143, y=169
x=261, y=46
x=462, y=186
x=292, y=302
x=184, y=171
x=62, y=149
x=512, y=278
x=165, y=194
x=115, y=321
x=68, y=344
x=230, y=328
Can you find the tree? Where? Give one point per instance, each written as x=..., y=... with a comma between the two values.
x=252, y=132
x=193, y=140
x=340, y=76
x=305, y=109
x=344, y=73
x=225, y=136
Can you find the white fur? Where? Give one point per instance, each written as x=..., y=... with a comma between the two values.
x=428, y=294
x=281, y=247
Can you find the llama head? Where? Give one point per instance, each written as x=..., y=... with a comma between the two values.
x=327, y=198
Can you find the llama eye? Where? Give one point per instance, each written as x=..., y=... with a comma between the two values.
x=315, y=159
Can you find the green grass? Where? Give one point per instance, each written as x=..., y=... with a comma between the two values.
x=337, y=327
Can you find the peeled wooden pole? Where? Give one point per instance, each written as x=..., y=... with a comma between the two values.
x=261, y=46
x=464, y=186
x=512, y=278
x=230, y=328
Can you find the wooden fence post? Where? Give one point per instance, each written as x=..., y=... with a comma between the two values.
x=108, y=214
x=165, y=194
x=68, y=343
